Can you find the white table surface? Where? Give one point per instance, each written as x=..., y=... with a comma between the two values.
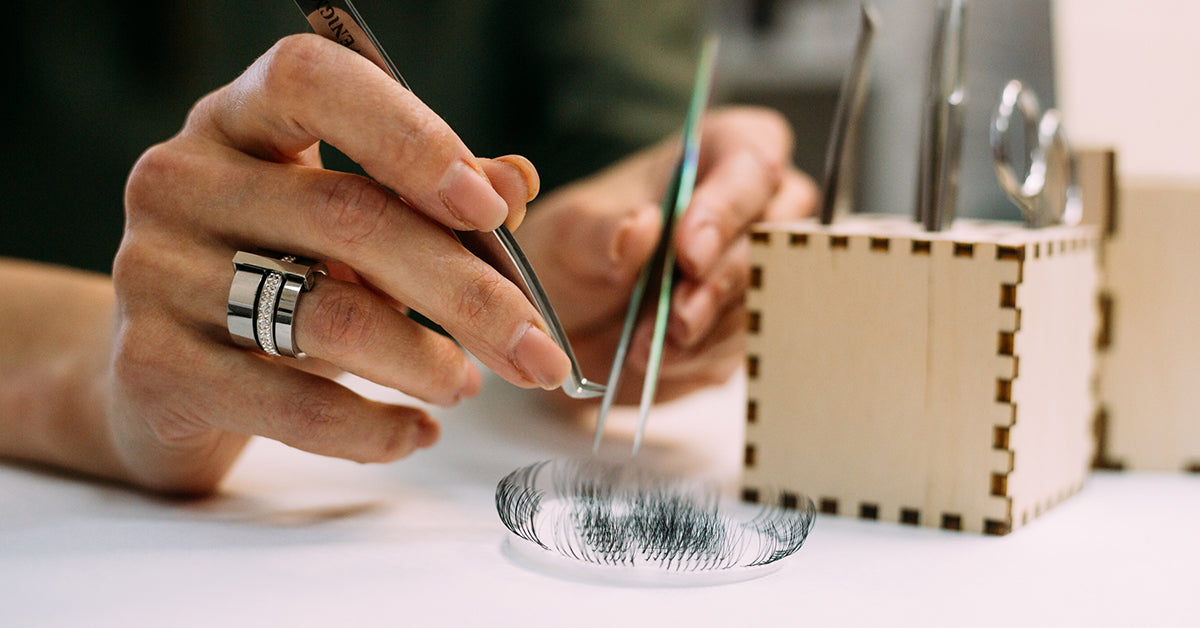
x=295, y=540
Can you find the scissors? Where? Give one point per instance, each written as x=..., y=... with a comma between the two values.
x=1047, y=193
x=339, y=21
x=662, y=265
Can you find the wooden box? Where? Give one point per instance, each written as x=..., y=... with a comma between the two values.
x=936, y=379
x=1149, y=415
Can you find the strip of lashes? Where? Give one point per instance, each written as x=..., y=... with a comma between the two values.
x=617, y=516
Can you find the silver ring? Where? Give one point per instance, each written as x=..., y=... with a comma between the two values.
x=263, y=298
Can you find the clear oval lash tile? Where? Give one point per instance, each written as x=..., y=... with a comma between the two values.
x=590, y=521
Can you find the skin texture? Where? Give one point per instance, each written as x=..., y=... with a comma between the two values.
x=136, y=378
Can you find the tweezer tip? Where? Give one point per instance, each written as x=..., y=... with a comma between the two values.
x=870, y=16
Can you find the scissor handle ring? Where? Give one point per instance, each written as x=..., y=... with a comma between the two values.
x=1022, y=190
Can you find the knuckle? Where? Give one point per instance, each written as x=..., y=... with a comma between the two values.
x=134, y=269
x=766, y=134
x=312, y=417
x=355, y=209
x=130, y=354
x=155, y=171
x=774, y=121
x=411, y=145
x=291, y=63
x=343, y=322
x=479, y=298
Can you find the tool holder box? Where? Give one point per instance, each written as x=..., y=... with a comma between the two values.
x=936, y=379
x=1149, y=413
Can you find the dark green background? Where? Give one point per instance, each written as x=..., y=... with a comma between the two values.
x=90, y=85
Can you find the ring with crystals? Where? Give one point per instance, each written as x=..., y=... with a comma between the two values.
x=263, y=299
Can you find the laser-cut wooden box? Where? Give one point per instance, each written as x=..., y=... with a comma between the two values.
x=937, y=379
x=1149, y=415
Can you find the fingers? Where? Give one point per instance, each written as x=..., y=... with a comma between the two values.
x=256, y=396
x=589, y=256
x=328, y=215
x=317, y=415
x=745, y=152
x=796, y=198
x=698, y=305
x=413, y=260
x=686, y=369
x=516, y=180
x=353, y=328
x=338, y=323
x=699, y=301
x=307, y=89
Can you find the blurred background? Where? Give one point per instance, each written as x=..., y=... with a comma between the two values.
x=91, y=85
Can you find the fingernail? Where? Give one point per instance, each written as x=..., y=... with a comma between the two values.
x=539, y=359
x=702, y=249
x=533, y=182
x=619, y=248
x=469, y=196
x=693, y=313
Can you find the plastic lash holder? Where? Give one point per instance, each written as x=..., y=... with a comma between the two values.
x=603, y=524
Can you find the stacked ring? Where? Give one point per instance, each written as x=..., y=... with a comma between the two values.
x=263, y=299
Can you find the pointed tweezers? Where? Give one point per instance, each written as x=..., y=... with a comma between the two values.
x=675, y=201
x=339, y=21
x=942, y=126
x=847, y=118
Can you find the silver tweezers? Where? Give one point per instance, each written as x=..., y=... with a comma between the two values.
x=942, y=126
x=846, y=120
x=339, y=21
x=662, y=265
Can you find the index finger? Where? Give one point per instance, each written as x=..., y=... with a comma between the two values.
x=308, y=89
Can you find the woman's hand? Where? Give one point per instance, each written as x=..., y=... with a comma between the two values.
x=244, y=174
x=589, y=242
x=140, y=380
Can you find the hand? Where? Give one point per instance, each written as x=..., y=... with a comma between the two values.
x=245, y=174
x=589, y=242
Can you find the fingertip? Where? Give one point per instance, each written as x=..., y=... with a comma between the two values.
x=428, y=432
x=468, y=195
x=808, y=191
x=536, y=359
x=472, y=385
x=634, y=240
x=529, y=174
x=516, y=181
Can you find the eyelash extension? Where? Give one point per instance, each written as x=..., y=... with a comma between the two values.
x=620, y=517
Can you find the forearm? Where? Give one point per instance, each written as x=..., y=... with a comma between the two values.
x=55, y=339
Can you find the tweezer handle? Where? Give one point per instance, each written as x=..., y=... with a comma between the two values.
x=338, y=20
x=500, y=250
